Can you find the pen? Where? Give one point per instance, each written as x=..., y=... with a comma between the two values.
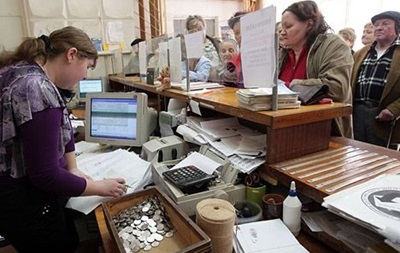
x=126, y=185
x=208, y=92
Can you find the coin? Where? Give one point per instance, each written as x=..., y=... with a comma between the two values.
x=158, y=237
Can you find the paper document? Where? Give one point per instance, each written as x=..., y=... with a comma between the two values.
x=196, y=85
x=269, y=236
x=200, y=161
x=375, y=203
x=258, y=47
x=116, y=164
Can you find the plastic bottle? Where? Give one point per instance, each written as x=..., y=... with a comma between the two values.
x=292, y=210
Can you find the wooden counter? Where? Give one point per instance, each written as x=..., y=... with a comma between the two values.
x=291, y=133
x=345, y=164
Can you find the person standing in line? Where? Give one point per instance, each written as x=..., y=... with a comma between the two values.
x=132, y=68
x=376, y=83
x=228, y=49
x=38, y=168
x=235, y=66
x=313, y=56
x=349, y=36
x=368, y=34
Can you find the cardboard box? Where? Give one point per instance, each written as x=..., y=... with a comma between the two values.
x=188, y=237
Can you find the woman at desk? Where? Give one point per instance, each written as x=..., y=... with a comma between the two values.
x=195, y=23
x=38, y=169
x=199, y=68
x=313, y=56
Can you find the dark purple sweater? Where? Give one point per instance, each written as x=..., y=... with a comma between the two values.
x=44, y=169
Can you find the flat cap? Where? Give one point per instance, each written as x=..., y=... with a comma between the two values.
x=136, y=41
x=393, y=15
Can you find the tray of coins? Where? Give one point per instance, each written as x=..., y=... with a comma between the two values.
x=149, y=221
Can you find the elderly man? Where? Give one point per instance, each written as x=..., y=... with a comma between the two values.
x=376, y=83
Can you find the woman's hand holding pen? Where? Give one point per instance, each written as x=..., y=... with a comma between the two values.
x=111, y=187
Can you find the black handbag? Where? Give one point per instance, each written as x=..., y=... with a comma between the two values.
x=310, y=94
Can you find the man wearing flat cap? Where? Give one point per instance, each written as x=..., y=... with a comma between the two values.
x=376, y=83
x=133, y=66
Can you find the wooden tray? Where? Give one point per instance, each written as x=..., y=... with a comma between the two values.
x=341, y=166
x=188, y=237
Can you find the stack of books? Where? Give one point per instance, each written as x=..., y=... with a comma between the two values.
x=259, y=99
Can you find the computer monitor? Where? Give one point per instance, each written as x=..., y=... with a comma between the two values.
x=90, y=85
x=119, y=119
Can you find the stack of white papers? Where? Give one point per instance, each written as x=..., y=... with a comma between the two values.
x=196, y=85
x=257, y=99
x=374, y=204
x=269, y=236
x=114, y=164
x=244, y=147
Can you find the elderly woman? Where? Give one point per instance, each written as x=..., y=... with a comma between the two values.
x=235, y=66
x=196, y=23
x=228, y=50
x=313, y=56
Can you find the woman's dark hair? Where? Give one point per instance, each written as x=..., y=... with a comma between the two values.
x=308, y=10
x=48, y=47
x=236, y=18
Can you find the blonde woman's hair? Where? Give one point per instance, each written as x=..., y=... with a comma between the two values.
x=348, y=34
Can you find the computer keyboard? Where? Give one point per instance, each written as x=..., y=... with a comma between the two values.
x=188, y=176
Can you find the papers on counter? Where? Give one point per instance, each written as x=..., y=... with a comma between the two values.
x=270, y=236
x=202, y=162
x=374, y=204
x=112, y=164
x=243, y=146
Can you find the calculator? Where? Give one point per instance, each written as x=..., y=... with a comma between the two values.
x=188, y=176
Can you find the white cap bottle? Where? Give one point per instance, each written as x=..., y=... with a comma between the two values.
x=292, y=210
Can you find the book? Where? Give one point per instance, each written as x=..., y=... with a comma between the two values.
x=268, y=106
x=267, y=92
x=257, y=99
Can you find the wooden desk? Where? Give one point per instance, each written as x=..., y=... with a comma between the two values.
x=310, y=243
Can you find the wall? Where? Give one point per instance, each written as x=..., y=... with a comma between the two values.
x=22, y=18
x=12, y=23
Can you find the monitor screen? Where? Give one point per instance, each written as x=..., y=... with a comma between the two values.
x=120, y=119
x=86, y=86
